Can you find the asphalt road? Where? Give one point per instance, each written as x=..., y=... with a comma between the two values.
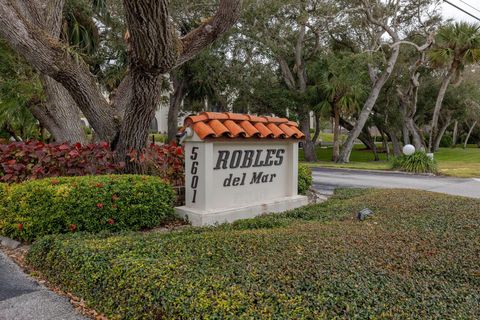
x=325, y=180
x=22, y=298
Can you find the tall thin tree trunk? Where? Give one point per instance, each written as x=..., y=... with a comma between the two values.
x=406, y=134
x=385, y=145
x=397, y=150
x=438, y=108
x=316, y=135
x=455, y=133
x=441, y=133
x=364, y=136
x=308, y=145
x=176, y=99
x=368, y=106
x=336, y=133
x=468, y=134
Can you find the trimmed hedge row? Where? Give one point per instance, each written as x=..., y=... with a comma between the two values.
x=416, y=258
x=90, y=203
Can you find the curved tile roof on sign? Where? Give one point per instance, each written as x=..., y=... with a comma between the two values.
x=236, y=125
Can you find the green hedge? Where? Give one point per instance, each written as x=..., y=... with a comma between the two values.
x=3, y=197
x=304, y=178
x=416, y=258
x=89, y=203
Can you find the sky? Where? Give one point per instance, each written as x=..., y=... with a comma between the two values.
x=451, y=12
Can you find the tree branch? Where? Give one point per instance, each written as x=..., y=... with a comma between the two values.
x=51, y=58
x=286, y=73
x=226, y=16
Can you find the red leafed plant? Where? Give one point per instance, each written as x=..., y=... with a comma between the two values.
x=166, y=161
x=20, y=161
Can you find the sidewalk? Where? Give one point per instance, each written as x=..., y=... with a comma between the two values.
x=22, y=298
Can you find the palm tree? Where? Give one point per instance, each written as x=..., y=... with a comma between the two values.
x=341, y=83
x=456, y=45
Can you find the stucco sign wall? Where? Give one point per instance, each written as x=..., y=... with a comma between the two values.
x=239, y=166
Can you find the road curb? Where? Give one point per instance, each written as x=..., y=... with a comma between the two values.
x=378, y=171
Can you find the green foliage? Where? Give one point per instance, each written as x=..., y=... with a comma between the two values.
x=20, y=89
x=459, y=42
x=304, y=178
x=89, y=203
x=341, y=80
x=3, y=196
x=447, y=141
x=417, y=257
x=418, y=162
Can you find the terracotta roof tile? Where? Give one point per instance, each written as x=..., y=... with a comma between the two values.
x=234, y=129
x=292, y=123
x=218, y=127
x=277, y=132
x=236, y=125
x=249, y=128
x=276, y=120
x=298, y=134
x=215, y=115
x=257, y=119
x=203, y=130
x=264, y=131
x=286, y=129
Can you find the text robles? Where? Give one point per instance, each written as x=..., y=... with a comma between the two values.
x=249, y=158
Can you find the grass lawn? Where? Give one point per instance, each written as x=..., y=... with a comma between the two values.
x=416, y=258
x=457, y=162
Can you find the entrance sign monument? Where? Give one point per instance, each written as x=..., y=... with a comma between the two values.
x=239, y=166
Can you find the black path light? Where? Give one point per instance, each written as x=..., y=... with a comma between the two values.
x=364, y=214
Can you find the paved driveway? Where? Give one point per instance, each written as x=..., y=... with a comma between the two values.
x=325, y=180
x=22, y=298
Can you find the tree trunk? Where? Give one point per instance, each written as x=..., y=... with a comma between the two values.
x=308, y=145
x=138, y=118
x=406, y=134
x=316, y=135
x=368, y=106
x=455, y=133
x=440, y=134
x=336, y=133
x=364, y=137
x=62, y=112
x=60, y=116
x=438, y=108
x=176, y=98
x=153, y=49
x=468, y=134
x=386, y=148
x=416, y=137
x=397, y=150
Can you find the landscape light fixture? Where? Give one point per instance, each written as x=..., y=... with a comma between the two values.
x=408, y=150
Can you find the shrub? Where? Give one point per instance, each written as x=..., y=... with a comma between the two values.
x=90, y=203
x=304, y=178
x=413, y=260
x=20, y=161
x=166, y=161
x=3, y=197
x=418, y=162
x=446, y=141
